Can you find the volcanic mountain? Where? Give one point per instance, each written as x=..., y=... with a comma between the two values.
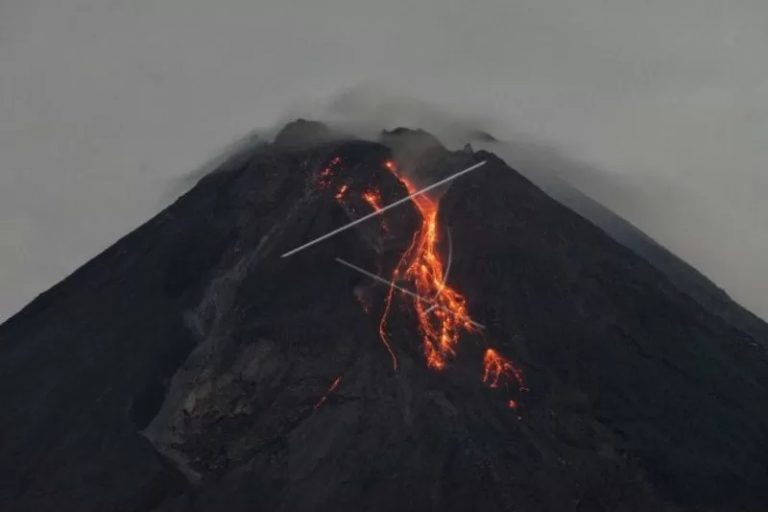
x=478, y=347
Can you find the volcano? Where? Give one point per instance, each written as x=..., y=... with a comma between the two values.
x=478, y=347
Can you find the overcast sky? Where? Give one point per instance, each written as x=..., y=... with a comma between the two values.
x=105, y=105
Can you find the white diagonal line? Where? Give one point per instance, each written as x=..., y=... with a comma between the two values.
x=383, y=209
x=404, y=290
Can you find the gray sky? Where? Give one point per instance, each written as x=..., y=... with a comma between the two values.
x=105, y=106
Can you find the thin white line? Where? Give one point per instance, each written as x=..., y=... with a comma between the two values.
x=404, y=290
x=382, y=210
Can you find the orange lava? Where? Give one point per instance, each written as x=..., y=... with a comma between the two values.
x=497, y=371
x=331, y=389
x=373, y=198
x=441, y=321
x=326, y=175
x=441, y=311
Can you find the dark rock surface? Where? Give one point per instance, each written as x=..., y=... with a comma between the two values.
x=682, y=275
x=184, y=369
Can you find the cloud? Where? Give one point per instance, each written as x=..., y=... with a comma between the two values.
x=106, y=105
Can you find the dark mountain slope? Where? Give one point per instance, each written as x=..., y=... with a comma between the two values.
x=189, y=367
x=551, y=171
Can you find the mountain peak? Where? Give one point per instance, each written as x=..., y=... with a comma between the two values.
x=482, y=348
x=302, y=133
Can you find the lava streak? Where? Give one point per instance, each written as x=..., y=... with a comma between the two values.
x=334, y=386
x=373, y=198
x=441, y=321
x=326, y=175
x=497, y=371
x=341, y=192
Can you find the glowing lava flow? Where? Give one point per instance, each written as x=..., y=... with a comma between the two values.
x=444, y=316
x=497, y=370
x=440, y=326
x=373, y=198
x=334, y=387
x=421, y=263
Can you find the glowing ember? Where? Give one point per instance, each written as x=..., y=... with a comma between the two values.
x=326, y=175
x=388, y=305
x=331, y=389
x=342, y=192
x=373, y=198
x=497, y=370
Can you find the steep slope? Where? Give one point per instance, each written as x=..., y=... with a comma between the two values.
x=684, y=276
x=190, y=367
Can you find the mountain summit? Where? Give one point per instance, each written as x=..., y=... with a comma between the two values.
x=511, y=356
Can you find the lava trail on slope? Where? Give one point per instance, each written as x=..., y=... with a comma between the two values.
x=441, y=311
